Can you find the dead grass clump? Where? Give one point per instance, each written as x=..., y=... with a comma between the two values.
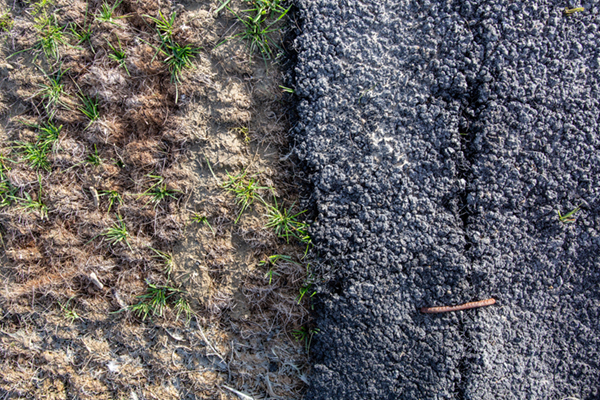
x=259, y=239
x=97, y=217
x=142, y=153
x=109, y=84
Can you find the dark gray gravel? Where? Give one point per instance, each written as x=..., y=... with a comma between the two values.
x=441, y=139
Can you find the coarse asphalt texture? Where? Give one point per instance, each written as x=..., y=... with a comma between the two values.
x=441, y=139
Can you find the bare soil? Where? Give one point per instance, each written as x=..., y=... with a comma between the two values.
x=64, y=337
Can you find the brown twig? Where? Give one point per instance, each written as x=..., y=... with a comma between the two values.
x=466, y=306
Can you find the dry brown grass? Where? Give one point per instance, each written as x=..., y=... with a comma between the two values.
x=240, y=334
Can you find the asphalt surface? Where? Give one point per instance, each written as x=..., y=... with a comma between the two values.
x=441, y=139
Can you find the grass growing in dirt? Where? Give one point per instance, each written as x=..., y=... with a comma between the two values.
x=260, y=21
x=52, y=92
x=286, y=222
x=164, y=25
x=166, y=259
x=89, y=109
x=107, y=12
x=159, y=191
x=51, y=35
x=178, y=57
x=118, y=55
x=113, y=197
x=244, y=188
x=6, y=22
x=115, y=244
x=82, y=34
x=117, y=233
x=30, y=204
x=157, y=298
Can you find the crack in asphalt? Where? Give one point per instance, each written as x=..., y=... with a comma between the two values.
x=440, y=186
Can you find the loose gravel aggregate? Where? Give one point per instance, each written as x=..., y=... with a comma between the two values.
x=442, y=138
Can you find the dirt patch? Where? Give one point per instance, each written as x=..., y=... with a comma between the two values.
x=133, y=201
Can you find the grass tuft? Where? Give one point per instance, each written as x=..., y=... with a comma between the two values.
x=307, y=286
x=83, y=34
x=178, y=58
x=53, y=91
x=94, y=158
x=48, y=134
x=271, y=263
x=36, y=156
x=107, y=13
x=29, y=204
x=89, y=108
x=157, y=298
x=258, y=23
x=182, y=306
x=118, y=55
x=245, y=190
x=51, y=35
x=305, y=335
x=202, y=219
x=7, y=190
x=159, y=192
x=244, y=131
x=6, y=22
x=40, y=5
x=117, y=233
x=166, y=258
x=569, y=217
x=113, y=197
x=165, y=26
x=305, y=290
x=286, y=224
x=69, y=312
